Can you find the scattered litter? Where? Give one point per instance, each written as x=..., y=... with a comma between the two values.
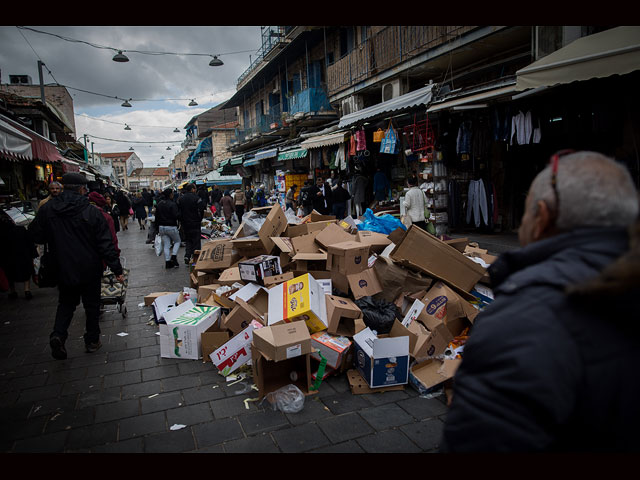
x=215, y=386
x=247, y=400
x=154, y=395
x=7, y=323
x=177, y=426
x=56, y=416
x=122, y=334
x=37, y=408
x=141, y=304
x=157, y=333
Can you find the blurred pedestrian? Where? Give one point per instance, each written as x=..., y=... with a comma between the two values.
x=167, y=214
x=140, y=210
x=123, y=206
x=340, y=198
x=290, y=198
x=227, y=207
x=191, y=208
x=17, y=253
x=239, y=200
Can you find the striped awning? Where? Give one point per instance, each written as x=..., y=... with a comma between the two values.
x=236, y=160
x=290, y=154
x=324, y=140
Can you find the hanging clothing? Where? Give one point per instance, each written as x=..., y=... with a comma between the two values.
x=341, y=159
x=477, y=203
x=521, y=128
x=463, y=141
x=361, y=143
x=352, y=146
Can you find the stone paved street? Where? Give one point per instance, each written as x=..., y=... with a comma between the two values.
x=126, y=398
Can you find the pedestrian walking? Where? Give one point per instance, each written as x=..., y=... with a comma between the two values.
x=112, y=209
x=100, y=202
x=415, y=202
x=321, y=197
x=290, y=198
x=240, y=200
x=54, y=190
x=546, y=365
x=79, y=240
x=167, y=214
x=123, y=206
x=340, y=198
x=140, y=210
x=248, y=195
x=305, y=199
x=191, y=208
x=228, y=207
x=17, y=253
x=216, y=197
x=148, y=199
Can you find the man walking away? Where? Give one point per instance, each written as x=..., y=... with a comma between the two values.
x=216, y=196
x=240, y=202
x=549, y=364
x=167, y=214
x=79, y=240
x=306, y=201
x=340, y=198
x=191, y=208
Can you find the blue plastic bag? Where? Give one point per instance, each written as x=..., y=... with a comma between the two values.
x=383, y=224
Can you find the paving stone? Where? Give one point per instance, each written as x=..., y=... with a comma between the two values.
x=134, y=445
x=380, y=398
x=68, y=420
x=142, y=425
x=344, y=427
x=231, y=407
x=190, y=415
x=123, y=378
x=51, y=443
x=263, y=421
x=53, y=405
x=213, y=433
x=261, y=443
x=426, y=434
x=389, y=441
x=64, y=376
x=313, y=410
x=90, y=436
x=180, y=382
x=117, y=410
x=161, y=372
x=39, y=393
x=345, y=402
x=345, y=447
x=203, y=393
x=15, y=430
x=102, y=370
x=163, y=401
x=170, y=442
x=140, y=363
x=144, y=389
x=99, y=397
x=123, y=355
x=422, y=408
x=82, y=385
x=385, y=416
x=300, y=439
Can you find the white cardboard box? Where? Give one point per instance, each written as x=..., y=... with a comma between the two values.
x=181, y=336
x=382, y=362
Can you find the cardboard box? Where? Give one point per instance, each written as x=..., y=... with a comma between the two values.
x=299, y=299
x=205, y=291
x=331, y=234
x=162, y=304
x=247, y=311
x=269, y=375
x=274, y=225
x=382, y=361
x=332, y=347
x=421, y=250
x=181, y=336
x=206, y=278
x=364, y=284
x=426, y=376
x=236, y=352
x=230, y=276
x=216, y=254
x=277, y=279
x=283, y=341
x=347, y=257
x=212, y=339
x=305, y=228
x=150, y=298
x=377, y=241
x=396, y=280
x=443, y=303
x=359, y=385
x=340, y=282
x=341, y=315
x=256, y=269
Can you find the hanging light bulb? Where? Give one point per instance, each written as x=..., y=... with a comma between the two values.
x=120, y=57
x=130, y=148
x=168, y=148
x=176, y=130
x=162, y=157
x=215, y=62
x=125, y=104
x=127, y=127
x=192, y=103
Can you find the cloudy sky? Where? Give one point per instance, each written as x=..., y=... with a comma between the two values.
x=160, y=86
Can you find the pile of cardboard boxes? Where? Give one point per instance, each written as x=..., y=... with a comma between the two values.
x=283, y=302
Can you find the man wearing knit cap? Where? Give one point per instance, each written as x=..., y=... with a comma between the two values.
x=79, y=240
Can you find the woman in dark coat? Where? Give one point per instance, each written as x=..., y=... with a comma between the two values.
x=112, y=209
x=17, y=251
x=139, y=210
x=228, y=207
x=123, y=205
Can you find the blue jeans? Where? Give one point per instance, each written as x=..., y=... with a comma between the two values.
x=170, y=234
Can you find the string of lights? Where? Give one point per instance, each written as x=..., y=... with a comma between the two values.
x=120, y=123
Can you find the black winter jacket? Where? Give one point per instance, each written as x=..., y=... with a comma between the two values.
x=544, y=370
x=167, y=213
x=191, y=210
x=78, y=237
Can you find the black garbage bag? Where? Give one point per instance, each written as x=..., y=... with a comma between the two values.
x=378, y=314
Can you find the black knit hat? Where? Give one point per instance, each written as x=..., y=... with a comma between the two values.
x=73, y=180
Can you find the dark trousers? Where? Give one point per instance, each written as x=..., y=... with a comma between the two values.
x=192, y=239
x=339, y=210
x=68, y=299
x=422, y=225
x=239, y=212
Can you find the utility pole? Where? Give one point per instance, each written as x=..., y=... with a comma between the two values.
x=40, y=64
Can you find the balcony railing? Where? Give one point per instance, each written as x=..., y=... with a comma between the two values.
x=386, y=49
x=309, y=100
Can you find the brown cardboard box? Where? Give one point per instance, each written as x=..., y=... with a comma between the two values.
x=206, y=278
x=364, y=283
x=274, y=225
x=397, y=235
x=230, y=276
x=305, y=228
x=216, y=254
x=269, y=375
x=315, y=216
x=212, y=339
x=193, y=280
x=148, y=299
x=458, y=243
x=277, y=279
x=341, y=315
x=310, y=262
x=421, y=250
x=443, y=303
x=331, y=234
x=305, y=243
x=396, y=279
x=334, y=348
x=204, y=291
x=377, y=241
x=347, y=257
x=284, y=244
x=283, y=341
x=241, y=315
x=426, y=375
x=359, y=385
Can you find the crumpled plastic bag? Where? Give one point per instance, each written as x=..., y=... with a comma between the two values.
x=252, y=223
x=378, y=314
x=383, y=224
x=292, y=218
x=287, y=399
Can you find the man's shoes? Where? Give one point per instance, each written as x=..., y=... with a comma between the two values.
x=168, y=264
x=186, y=260
x=57, y=348
x=174, y=261
x=28, y=295
x=92, y=347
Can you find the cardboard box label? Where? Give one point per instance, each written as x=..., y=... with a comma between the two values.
x=294, y=351
x=236, y=352
x=299, y=299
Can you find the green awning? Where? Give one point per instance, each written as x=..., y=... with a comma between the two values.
x=236, y=160
x=297, y=153
x=223, y=162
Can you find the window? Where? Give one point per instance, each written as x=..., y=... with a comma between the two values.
x=346, y=40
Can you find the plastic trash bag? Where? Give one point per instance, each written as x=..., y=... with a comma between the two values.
x=383, y=224
x=378, y=315
x=287, y=399
x=157, y=243
x=292, y=218
x=252, y=223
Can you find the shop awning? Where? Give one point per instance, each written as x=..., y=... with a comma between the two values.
x=469, y=100
x=236, y=160
x=421, y=96
x=262, y=154
x=214, y=178
x=324, y=140
x=612, y=52
x=13, y=143
x=43, y=149
x=290, y=154
x=69, y=166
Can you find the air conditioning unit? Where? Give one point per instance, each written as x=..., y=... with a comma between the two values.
x=394, y=89
x=352, y=104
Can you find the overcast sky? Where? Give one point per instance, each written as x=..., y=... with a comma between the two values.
x=160, y=86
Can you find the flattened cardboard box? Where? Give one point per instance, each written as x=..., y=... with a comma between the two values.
x=377, y=241
x=283, y=341
x=230, y=276
x=426, y=376
x=359, y=385
x=421, y=250
x=216, y=254
x=332, y=234
x=277, y=279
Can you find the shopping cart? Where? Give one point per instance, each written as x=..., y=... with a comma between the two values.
x=113, y=292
